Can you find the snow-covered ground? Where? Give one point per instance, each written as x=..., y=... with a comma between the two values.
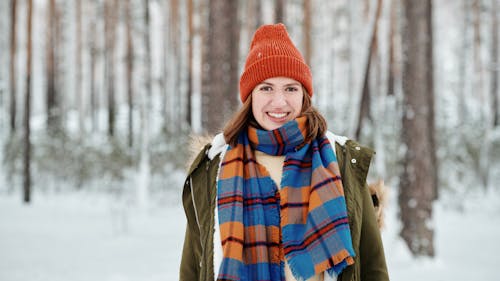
x=86, y=237
x=82, y=237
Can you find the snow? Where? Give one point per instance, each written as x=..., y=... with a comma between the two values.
x=75, y=237
x=466, y=235
x=86, y=236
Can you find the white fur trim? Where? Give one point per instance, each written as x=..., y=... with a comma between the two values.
x=217, y=240
x=333, y=138
x=218, y=145
x=217, y=245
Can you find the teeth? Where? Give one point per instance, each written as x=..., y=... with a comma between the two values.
x=277, y=115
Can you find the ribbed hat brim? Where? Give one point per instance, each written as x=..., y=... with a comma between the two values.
x=275, y=66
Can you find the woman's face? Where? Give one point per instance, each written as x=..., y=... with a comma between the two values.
x=276, y=101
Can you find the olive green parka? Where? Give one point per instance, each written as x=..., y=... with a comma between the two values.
x=199, y=199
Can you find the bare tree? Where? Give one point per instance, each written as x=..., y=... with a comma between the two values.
x=392, y=68
x=478, y=65
x=280, y=10
x=53, y=95
x=254, y=16
x=364, y=110
x=27, y=110
x=93, y=64
x=175, y=61
x=190, y=14
x=13, y=43
x=417, y=185
x=144, y=168
x=130, y=71
x=78, y=54
x=495, y=63
x=110, y=18
x=307, y=30
x=220, y=67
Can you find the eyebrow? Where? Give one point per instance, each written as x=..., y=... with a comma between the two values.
x=286, y=85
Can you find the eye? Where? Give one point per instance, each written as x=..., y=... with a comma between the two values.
x=291, y=89
x=265, y=88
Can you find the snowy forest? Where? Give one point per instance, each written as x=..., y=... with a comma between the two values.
x=100, y=101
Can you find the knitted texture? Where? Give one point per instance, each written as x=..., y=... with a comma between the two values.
x=305, y=222
x=273, y=54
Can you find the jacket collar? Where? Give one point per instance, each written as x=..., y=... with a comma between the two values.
x=219, y=144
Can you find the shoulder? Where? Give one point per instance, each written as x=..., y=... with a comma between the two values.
x=205, y=148
x=351, y=152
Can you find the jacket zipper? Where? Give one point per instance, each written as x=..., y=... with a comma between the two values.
x=197, y=220
x=194, y=204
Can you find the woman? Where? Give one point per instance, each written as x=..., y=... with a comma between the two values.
x=277, y=196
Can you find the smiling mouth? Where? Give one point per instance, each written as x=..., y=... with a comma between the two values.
x=279, y=115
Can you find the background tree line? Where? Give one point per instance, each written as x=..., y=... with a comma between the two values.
x=103, y=94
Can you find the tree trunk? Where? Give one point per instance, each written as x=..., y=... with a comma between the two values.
x=79, y=79
x=130, y=71
x=93, y=65
x=495, y=69
x=253, y=18
x=189, y=94
x=392, y=54
x=417, y=185
x=174, y=39
x=144, y=167
x=478, y=65
x=165, y=64
x=13, y=45
x=53, y=99
x=364, y=109
x=280, y=10
x=220, y=67
x=27, y=110
x=307, y=29
x=434, y=174
x=110, y=7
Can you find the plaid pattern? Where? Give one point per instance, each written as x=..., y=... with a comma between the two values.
x=313, y=233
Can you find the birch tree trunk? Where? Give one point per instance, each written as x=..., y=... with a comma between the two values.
x=27, y=110
x=144, y=176
x=417, y=185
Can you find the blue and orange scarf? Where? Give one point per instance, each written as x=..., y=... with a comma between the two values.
x=305, y=222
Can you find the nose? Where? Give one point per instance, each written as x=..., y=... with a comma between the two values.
x=278, y=99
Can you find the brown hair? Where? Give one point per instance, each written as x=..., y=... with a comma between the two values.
x=316, y=123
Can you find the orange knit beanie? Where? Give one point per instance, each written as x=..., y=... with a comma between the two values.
x=272, y=54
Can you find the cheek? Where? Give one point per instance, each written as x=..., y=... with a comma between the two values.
x=297, y=105
x=258, y=103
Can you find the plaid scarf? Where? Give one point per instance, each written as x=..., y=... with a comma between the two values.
x=313, y=233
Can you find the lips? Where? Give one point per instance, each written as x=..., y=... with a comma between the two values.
x=278, y=117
